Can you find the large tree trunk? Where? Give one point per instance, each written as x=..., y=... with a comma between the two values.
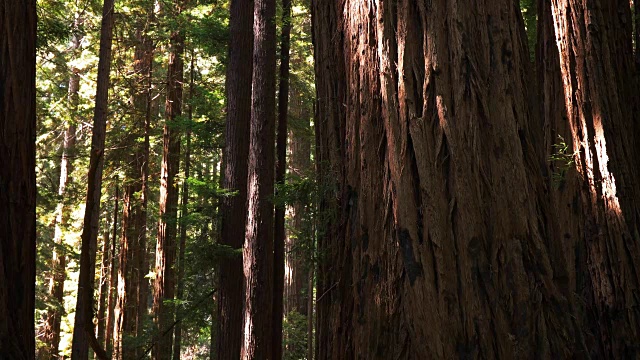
x=83, y=326
x=59, y=262
x=113, y=278
x=258, y=246
x=281, y=169
x=164, y=287
x=233, y=212
x=17, y=178
x=435, y=241
x=591, y=100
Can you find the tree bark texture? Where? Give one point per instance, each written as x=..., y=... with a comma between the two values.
x=164, y=287
x=83, y=325
x=591, y=100
x=233, y=208
x=281, y=169
x=258, y=247
x=17, y=178
x=433, y=241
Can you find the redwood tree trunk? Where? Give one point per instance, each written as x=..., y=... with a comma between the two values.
x=17, y=178
x=233, y=208
x=432, y=242
x=281, y=169
x=258, y=246
x=83, y=326
x=164, y=287
x=599, y=109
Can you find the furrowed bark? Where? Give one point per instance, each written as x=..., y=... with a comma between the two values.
x=17, y=178
x=258, y=246
x=427, y=153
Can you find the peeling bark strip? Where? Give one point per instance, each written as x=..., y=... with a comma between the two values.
x=427, y=137
x=17, y=178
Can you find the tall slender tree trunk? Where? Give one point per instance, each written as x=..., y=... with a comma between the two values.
x=144, y=103
x=433, y=241
x=113, y=278
x=258, y=247
x=164, y=287
x=592, y=91
x=59, y=262
x=233, y=209
x=132, y=304
x=83, y=326
x=17, y=178
x=281, y=169
x=184, y=221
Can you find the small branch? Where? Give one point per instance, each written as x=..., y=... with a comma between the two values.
x=326, y=292
x=95, y=345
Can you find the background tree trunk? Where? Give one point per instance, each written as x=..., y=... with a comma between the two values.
x=104, y=284
x=59, y=262
x=233, y=212
x=258, y=246
x=184, y=217
x=113, y=278
x=164, y=287
x=281, y=169
x=426, y=158
x=83, y=326
x=17, y=178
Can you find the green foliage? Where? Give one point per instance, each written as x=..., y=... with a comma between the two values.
x=294, y=336
x=563, y=159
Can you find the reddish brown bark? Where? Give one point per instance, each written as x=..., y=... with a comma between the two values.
x=164, y=286
x=17, y=178
x=431, y=243
x=233, y=209
x=83, y=326
x=258, y=246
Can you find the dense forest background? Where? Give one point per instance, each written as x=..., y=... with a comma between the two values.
x=328, y=179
